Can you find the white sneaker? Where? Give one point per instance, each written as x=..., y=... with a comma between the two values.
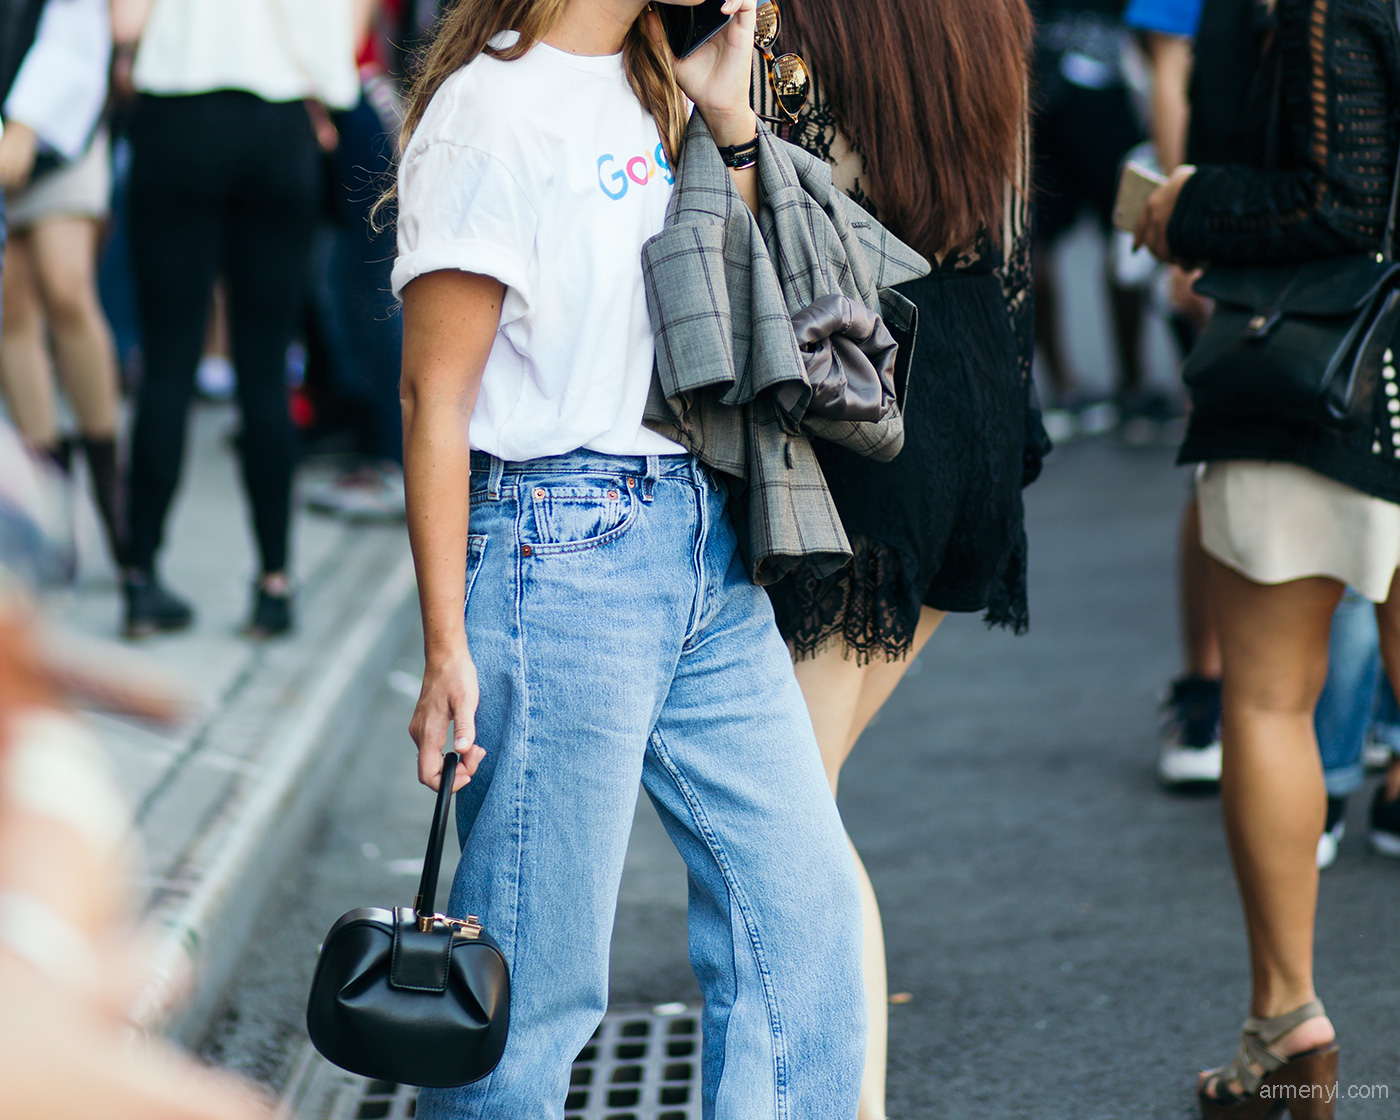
x=1376, y=755
x=1332, y=833
x=1190, y=753
x=215, y=377
x=367, y=494
x=1178, y=764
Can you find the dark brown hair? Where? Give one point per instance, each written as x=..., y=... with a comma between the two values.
x=932, y=93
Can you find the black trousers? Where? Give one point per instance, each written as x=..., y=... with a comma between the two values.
x=222, y=184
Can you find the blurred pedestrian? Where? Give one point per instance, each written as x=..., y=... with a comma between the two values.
x=540, y=164
x=225, y=181
x=941, y=527
x=67, y=966
x=1225, y=51
x=54, y=168
x=1189, y=753
x=1085, y=124
x=357, y=309
x=1291, y=513
x=1357, y=708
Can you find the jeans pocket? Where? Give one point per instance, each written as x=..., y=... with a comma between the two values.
x=574, y=514
x=476, y=554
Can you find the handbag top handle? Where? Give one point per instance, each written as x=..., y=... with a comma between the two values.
x=1387, y=252
x=425, y=905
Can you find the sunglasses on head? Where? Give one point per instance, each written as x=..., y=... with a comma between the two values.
x=788, y=75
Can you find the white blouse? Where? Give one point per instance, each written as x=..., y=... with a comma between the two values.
x=280, y=50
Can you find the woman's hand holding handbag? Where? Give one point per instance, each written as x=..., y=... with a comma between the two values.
x=409, y=995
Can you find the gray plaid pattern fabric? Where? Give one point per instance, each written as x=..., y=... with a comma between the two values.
x=722, y=287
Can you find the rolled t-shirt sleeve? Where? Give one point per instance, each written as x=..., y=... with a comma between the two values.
x=460, y=208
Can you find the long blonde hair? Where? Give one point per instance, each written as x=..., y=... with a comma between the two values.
x=468, y=26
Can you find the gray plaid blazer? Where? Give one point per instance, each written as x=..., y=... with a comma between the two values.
x=722, y=287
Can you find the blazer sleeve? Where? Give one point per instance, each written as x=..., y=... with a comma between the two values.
x=1339, y=75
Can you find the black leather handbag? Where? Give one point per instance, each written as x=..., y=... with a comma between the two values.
x=408, y=995
x=1298, y=343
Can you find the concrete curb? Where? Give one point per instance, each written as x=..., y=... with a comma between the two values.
x=243, y=848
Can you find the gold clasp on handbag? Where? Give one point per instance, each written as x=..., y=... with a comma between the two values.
x=468, y=928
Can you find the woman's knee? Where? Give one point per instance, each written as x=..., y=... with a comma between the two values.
x=69, y=293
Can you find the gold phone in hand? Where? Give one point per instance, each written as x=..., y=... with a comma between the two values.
x=1135, y=184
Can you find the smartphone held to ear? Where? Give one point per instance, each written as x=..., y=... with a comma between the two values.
x=690, y=26
x=1134, y=186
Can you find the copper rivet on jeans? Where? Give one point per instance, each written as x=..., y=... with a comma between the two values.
x=539, y=492
x=631, y=484
x=526, y=550
x=613, y=495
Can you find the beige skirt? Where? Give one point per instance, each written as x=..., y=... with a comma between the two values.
x=1275, y=522
x=81, y=189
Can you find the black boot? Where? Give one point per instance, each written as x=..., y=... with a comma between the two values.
x=272, y=613
x=61, y=454
x=150, y=607
x=107, y=491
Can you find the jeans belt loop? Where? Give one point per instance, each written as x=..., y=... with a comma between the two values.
x=653, y=473
x=493, y=481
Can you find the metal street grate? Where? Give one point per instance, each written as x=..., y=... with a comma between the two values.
x=642, y=1063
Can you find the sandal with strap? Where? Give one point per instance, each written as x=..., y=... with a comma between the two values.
x=1304, y=1085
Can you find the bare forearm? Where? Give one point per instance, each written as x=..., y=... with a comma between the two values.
x=1171, y=77
x=129, y=20
x=437, y=473
x=450, y=321
x=362, y=12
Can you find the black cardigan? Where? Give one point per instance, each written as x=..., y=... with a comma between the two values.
x=1330, y=193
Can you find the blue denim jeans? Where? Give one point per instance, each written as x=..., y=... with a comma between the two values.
x=1348, y=698
x=619, y=641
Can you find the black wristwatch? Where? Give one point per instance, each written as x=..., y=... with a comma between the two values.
x=740, y=157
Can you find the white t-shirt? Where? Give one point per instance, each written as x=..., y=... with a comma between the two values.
x=280, y=50
x=547, y=174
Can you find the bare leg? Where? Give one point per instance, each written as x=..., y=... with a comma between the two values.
x=1127, y=304
x=1274, y=641
x=25, y=373
x=65, y=256
x=881, y=677
x=1199, y=635
x=1048, y=335
x=842, y=697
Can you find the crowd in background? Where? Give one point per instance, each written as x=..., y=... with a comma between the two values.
x=204, y=185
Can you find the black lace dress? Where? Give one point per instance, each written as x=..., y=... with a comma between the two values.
x=943, y=524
